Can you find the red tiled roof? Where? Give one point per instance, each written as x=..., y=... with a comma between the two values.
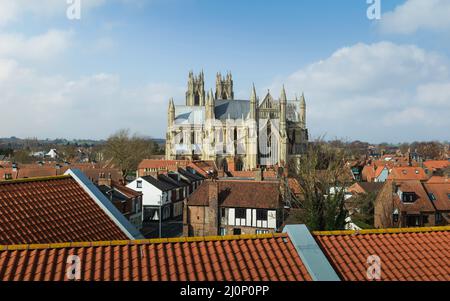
x=441, y=192
x=239, y=193
x=162, y=164
x=270, y=257
x=50, y=210
x=203, y=167
x=379, y=171
x=436, y=164
x=438, y=179
x=35, y=171
x=252, y=173
x=421, y=204
x=413, y=254
x=408, y=173
x=368, y=173
x=125, y=190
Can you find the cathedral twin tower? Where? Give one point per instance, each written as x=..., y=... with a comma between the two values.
x=280, y=135
x=195, y=95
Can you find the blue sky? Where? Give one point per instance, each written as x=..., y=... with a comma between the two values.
x=116, y=67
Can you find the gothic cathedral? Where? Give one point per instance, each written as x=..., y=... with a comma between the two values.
x=246, y=133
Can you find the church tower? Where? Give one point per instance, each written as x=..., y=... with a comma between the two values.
x=195, y=95
x=224, y=86
x=303, y=112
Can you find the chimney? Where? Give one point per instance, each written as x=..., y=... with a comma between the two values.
x=259, y=174
x=212, y=218
x=104, y=180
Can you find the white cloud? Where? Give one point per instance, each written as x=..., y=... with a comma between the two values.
x=414, y=15
x=94, y=106
x=435, y=94
x=38, y=47
x=381, y=91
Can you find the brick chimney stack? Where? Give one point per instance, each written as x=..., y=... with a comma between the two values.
x=212, y=216
x=104, y=179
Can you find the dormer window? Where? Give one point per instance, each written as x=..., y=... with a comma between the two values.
x=408, y=197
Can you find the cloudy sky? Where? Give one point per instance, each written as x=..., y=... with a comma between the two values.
x=116, y=67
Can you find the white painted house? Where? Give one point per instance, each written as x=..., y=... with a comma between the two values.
x=156, y=196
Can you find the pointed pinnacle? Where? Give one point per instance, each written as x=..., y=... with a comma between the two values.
x=283, y=94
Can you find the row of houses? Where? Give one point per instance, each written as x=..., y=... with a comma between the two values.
x=164, y=192
x=380, y=171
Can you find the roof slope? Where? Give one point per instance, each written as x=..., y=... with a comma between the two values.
x=50, y=210
x=413, y=254
x=236, y=258
x=422, y=202
x=408, y=173
x=441, y=193
x=239, y=193
x=371, y=187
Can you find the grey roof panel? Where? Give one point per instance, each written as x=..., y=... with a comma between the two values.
x=234, y=109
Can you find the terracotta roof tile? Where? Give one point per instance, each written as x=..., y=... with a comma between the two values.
x=239, y=193
x=243, y=258
x=440, y=194
x=51, y=210
x=436, y=164
x=408, y=173
x=406, y=254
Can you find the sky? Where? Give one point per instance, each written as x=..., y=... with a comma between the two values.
x=376, y=80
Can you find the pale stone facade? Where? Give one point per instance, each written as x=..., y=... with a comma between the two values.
x=250, y=134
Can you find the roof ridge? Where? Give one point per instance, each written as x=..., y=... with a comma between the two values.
x=383, y=231
x=139, y=241
x=34, y=179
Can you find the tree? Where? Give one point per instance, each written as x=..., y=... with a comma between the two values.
x=22, y=156
x=430, y=150
x=321, y=176
x=364, y=204
x=126, y=151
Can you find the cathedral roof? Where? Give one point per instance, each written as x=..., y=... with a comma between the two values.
x=189, y=114
x=234, y=109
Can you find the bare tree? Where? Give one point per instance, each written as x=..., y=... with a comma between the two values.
x=430, y=150
x=321, y=174
x=126, y=151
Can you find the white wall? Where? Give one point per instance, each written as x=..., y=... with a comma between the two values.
x=250, y=220
x=151, y=196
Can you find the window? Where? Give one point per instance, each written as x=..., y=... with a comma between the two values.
x=237, y=231
x=438, y=217
x=223, y=231
x=8, y=176
x=408, y=197
x=448, y=196
x=432, y=197
x=240, y=213
x=261, y=215
x=412, y=221
x=222, y=212
x=259, y=231
x=139, y=184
